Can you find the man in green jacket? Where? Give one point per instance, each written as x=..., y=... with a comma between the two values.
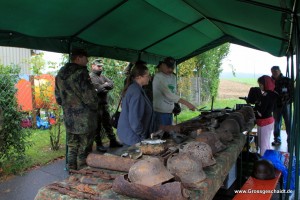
x=103, y=85
x=78, y=98
x=1, y=118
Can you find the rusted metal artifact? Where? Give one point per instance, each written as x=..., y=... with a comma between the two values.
x=263, y=170
x=228, y=128
x=212, y=140
x=163, y=156
x=79, y=191
x=94, y=173
x=188, y=170
x=167, y=191
x=110, y=162
x=239, y=118
x=152, y=149
x=199, y=151
x=249, y=110
x=149, y=172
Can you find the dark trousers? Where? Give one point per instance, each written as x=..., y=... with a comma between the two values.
x=164, y=118
x=279, y=113
x=104, y=126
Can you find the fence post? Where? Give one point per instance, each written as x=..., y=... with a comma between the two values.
x=31, y=79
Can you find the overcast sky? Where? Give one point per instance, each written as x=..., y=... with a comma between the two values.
x=247, y=60
x=53, y=57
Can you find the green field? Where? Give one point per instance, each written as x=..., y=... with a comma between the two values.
x=249, y=81
x=218, y=104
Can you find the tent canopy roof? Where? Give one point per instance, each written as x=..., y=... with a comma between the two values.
x=146, y=29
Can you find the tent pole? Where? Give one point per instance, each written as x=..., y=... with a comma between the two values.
x=296, y=109
x=176, y=75
x=294, y=137
x=67, y=137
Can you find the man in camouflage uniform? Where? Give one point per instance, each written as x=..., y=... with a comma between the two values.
x=102, y=85
x=284, y=87
x=78, y=98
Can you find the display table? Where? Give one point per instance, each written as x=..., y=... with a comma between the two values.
x=216, y=175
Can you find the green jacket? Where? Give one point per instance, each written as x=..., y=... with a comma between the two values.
x=78, y=98
x=1, y=118
x=100, y=86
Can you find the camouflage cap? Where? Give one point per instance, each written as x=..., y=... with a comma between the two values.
x=97, y=62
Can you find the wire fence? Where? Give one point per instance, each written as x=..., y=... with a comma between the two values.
x=195, y=89
x=30, y=96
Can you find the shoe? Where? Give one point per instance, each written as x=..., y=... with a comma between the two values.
x=101, y=149
x=276, y=143
x=114, y=143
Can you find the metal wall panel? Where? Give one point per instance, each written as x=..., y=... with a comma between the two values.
x=16, y=56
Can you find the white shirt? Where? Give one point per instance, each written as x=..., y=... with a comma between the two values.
x=164, y=92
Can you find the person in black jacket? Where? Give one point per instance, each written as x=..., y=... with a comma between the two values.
x=102, y=85
x=264, y=112
x=284, y=88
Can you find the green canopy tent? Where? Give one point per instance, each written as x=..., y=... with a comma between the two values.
x=149, y=29
x=153, y=29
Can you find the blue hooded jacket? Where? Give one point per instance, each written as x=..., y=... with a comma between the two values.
x=136, y=121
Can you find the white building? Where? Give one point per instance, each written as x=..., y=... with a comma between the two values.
x=16, y=56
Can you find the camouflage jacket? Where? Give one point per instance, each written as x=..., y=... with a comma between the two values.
x=102, y=84
x=1, y=118
x=76, y=94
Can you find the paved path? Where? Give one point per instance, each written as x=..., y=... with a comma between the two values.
x=26, y=187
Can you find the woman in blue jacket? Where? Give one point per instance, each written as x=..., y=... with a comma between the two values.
x=136, y=119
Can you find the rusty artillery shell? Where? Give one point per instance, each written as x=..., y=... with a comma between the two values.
x=170, y=190
x=110, y=162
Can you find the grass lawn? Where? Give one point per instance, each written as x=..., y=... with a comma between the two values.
x=37, y=154
x=40, y=152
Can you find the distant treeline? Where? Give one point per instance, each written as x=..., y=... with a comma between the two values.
x=226, y=75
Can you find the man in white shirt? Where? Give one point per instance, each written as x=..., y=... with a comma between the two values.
x=164, y=92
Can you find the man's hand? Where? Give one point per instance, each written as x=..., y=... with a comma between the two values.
x=191, y=107
x=187, y=104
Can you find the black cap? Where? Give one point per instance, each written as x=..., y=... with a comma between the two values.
x=170, y=62
x=79, y=52
x=275, y=68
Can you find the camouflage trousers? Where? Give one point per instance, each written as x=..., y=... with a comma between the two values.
x=78, y=149
x=104, y=126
